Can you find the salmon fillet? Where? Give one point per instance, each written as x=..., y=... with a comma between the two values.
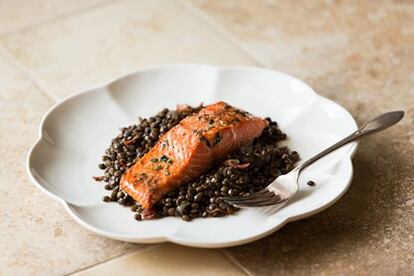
x=188, y=150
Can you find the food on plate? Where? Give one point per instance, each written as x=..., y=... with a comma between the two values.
x=188, y=150
x=180, y=163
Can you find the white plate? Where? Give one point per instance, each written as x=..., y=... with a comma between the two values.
x=75, y=133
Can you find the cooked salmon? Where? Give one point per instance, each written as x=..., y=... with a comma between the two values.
x=188, y=150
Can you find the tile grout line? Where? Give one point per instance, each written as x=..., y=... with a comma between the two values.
x=221, y=30
x=150, y=247
x=226, y=35
x=58, y=17
x=192, y=9
x=121, y=255
x=20, y=66
x=27, y=73
x=236, y=263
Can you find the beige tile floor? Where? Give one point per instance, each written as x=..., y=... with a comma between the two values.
x=358, y=53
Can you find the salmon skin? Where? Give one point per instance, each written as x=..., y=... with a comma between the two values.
x=188, y=150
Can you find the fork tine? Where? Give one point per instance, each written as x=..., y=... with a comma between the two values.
x=260, y=194
x=273, y=201
x=276, y=202
x=259, y=198
x=269, y=197
x=252, y=201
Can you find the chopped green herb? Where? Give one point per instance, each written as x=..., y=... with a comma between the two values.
x=164, y=143
x=204, y=139
x=154, y=160
x=142, y=176
x=198, y=131
x=217, y=139
x=170, y=161
x=157, y=168
x=164, y=158
x=241, y=112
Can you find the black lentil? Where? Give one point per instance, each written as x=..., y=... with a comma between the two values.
x=171, y=211
x=106, y=198
x=311, y=183
x=246, y=171
x=184, y=208
x=186, y=218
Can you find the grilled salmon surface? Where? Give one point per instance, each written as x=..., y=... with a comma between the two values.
x=188, y=150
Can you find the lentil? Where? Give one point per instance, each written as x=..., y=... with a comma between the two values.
x=246, y=171
x=106, y=198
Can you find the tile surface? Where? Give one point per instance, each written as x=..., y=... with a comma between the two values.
x=310, y=38
x=92, y=48
x=360, y=54
x=37, y=236
x=168, y=259
x=17, y=14
x=66, y=55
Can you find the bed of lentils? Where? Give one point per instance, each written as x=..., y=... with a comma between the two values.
x=243, y=172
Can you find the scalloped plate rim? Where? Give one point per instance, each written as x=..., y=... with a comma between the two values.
x=167, y=238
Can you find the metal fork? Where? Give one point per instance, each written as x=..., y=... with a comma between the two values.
x=286, y=186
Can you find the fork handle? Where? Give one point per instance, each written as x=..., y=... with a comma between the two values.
x=378, y=124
